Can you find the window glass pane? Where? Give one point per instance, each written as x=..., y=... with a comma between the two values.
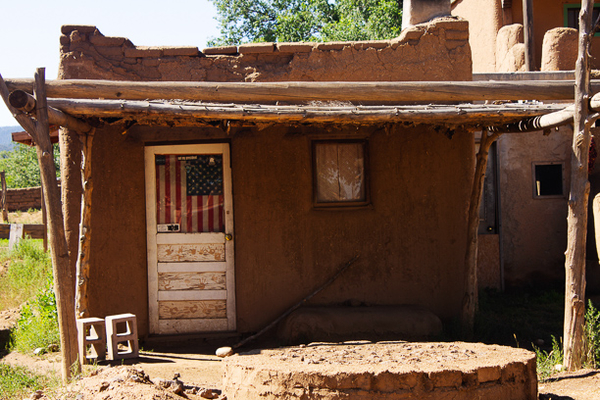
x=189, y=193
x=340, y=172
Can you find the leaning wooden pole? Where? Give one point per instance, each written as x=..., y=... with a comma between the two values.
x=63, y=280
x=470, y=299
x=64, y=285
x=578, y=201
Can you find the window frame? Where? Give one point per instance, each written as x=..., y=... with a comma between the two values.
x=570, y=6
x=534, y=181
x=342, y=205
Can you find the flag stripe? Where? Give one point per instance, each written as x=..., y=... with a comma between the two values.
x=194, y=213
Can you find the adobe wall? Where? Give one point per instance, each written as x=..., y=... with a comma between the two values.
x=433, y=51
x=23, y=199
x=485, y=19
x=548, y=14
x=533, y=229
x=411, y=241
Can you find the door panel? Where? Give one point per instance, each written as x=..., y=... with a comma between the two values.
x=189, y=231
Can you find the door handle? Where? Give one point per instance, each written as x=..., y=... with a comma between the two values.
x=228, y=236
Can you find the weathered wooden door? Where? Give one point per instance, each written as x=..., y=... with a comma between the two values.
x=190, y=238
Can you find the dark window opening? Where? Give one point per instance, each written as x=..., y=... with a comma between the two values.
x=548, y=180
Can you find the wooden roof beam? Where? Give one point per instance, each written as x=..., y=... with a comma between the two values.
x=25, y=102
x=302, y=92
x=472, y=114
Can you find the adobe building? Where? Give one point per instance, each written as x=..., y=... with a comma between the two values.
x=210, y=224
x=525, y=215
x=219, y=205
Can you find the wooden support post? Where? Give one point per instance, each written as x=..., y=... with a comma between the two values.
x=85, y=230
x=578, y=201
x=3, y=198
x=44, y=220
x=64, y=285
x=470, y=300
x=528, y=35
x=70, y=176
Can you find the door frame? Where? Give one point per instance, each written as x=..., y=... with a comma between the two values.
x=151, y=233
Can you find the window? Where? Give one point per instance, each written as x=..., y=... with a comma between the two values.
x=571, y=14
x=548, y=180
x=339, y=173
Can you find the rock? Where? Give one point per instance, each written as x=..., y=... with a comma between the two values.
x=209, y=393
x=39, y=351
x=224, y=352
x=36, y=395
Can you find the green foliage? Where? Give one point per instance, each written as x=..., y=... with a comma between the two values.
x=550, y=362
x=21, y=166
x=245, y=21
x=591, y=337
x=28, y=269
x=38, y=325
x=16, y=382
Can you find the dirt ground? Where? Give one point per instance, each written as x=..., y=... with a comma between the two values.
x=199, y=375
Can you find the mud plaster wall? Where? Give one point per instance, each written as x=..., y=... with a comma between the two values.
x=534, y=230
x=411, y=240
x=118, y=277
x=434, y=51
x=485, y=19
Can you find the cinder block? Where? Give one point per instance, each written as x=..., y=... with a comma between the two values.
x=122, y=329
x=91, y=338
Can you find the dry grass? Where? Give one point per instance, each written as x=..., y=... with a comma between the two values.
x=25, y=217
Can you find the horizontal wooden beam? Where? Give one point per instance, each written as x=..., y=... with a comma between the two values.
x=25, y=102
x=301, y=92
x=450, y=114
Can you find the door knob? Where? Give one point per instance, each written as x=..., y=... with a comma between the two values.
x=228, y=236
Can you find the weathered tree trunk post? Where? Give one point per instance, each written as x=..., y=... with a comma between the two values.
x=470, y=299
x=64, y=285
x=83, y=258
x=578, y=201
x=70, y=173
x=3, y=199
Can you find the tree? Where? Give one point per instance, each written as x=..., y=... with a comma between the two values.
x=245, y=21
x=21, y=166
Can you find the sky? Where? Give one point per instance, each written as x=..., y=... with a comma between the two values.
x=30, y=31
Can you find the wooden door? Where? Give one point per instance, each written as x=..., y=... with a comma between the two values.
x=190, y=239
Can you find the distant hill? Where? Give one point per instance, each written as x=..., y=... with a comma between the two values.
x=6, y=142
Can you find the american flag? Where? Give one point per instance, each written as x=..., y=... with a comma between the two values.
x=189, y=192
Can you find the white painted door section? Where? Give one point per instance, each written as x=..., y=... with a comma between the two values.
x=189, y=219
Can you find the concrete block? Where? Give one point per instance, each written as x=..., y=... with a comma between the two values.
x=91, y=339
x=122, y=329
